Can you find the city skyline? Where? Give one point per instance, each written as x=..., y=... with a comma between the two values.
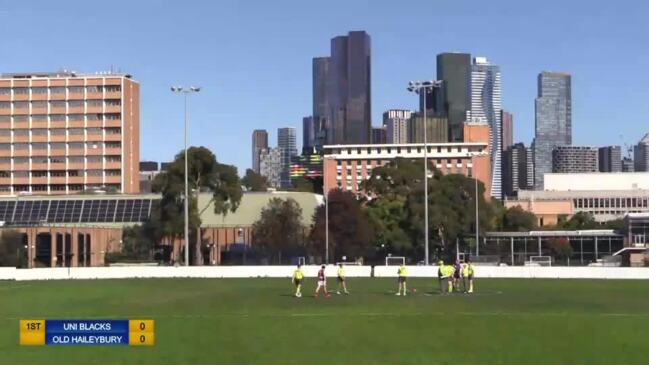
x=220, y=116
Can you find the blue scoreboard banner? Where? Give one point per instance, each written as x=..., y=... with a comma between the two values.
x=87, y=332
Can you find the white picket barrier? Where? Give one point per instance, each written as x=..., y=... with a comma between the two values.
x=310, y=271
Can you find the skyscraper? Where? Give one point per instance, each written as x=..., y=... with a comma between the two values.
x=610, y=159
x=575, y=159
x=379, y=135
x=436, y=131
x=516, y=170
x=270, y=165
x=453, y=68
x=553, y=120
x=641, y=154
x=259, y=142
x=485, y=107
x=321, y=109
x=507, y=130
x=288, y=149
x=348, y=89
x=395, y=122
x=308, y=135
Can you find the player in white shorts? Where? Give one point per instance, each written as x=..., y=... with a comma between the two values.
x=322, y=283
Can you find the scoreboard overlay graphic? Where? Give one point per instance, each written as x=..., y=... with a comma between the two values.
x=75, y=332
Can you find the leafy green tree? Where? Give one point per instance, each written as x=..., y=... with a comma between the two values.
x=12, y=249
x=205, y=174
x=279, y=227
x=307, y=185
x=518, y=219
x=350, y=233
x=579, y=221
x=560, y=247
x=254, y=181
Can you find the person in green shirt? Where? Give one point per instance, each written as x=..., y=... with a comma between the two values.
x=298, y=275
x=341, y=279
x=470, y=272
x=402, y=272
x=440, y=277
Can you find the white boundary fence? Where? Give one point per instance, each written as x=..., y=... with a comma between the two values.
x=310, y=271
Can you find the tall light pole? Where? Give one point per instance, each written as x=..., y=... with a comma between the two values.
x=477, y=221
x=423, y=88
x=326, y=197
x=186, y=92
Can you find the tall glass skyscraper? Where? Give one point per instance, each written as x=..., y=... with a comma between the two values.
x=453, y=69
x=288, y=149
x=341, y=90
x=259, y=142
x=485, y=107
x=553, y=121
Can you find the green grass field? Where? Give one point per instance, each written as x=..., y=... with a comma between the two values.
x=256, y=321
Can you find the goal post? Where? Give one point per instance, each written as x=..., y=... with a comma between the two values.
x=395, y=260
x=301, y=260
x=540, y=261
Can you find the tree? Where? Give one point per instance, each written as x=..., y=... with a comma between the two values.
x=254, y=181
x=205, y=174
x=560, y=247
x=518, y=219
x=307, y=185
x=12, y=249
x=579, y=221
x=349, y=228
x=279, y=227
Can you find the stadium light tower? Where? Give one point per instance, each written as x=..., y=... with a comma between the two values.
x=186, y=92
x=424, y=88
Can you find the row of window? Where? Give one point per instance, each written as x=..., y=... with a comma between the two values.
x=611, y=202
x=369, y=163
x=59, y=104
x=59, y=173
x=60, y=117
x=431, y=149
x=55, y=159
x=59, y=145
x=59, y=187
x=60, y=89
x=60, y=131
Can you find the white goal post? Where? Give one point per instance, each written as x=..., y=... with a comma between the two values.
x=399, y=260
x=301, y=260
x=540, y=261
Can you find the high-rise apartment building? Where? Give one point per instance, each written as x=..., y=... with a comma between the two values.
x=63, y=132
x=610, y=159
x=308, y=135
x=270, y=166
x=628, y=164
x=379, y=135
x=553, y=121
x=641, y=154
x=453, y=70
x=516, y=171
x=395, y=122
x=436, y=129
x=259, y=142
x=507, y=132
x=286, y=142
x=575, y=159
x=485, y=107
x=341, y=90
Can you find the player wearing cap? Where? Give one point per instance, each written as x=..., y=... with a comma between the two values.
x=322, y=282
x=298, y=275
x=341, y=279
x=402, y=272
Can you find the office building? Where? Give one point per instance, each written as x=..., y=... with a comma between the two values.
x=553, y=120
x=628, y=165
x=64, y=132
x=148, y=172
x=575, y=159
x=436, y=129
x=610, y=159
x=270, y=166
x=308, y=135
x=341, y=90
x=453, y=70
x=485, y=107
x=516, y=172
x=641, y=154
x=507, y=132
x=395, y=122
x=288, y=149
x=259, y=142
x=379, y=135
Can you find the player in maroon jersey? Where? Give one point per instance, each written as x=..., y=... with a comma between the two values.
x=322, y=283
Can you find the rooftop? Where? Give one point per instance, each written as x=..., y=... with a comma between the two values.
x=60, y=74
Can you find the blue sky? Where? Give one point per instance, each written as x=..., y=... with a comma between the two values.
x=253, y=58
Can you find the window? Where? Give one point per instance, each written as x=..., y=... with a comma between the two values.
x=5, y=119
x=21, y=91
x=113, y=102
x=75, y=187
x=76, y=159
x=21, y=173
x=39, y=104
x=21, y=104
x=76, y=131
x=75, y=173
x=57, y=173
x=116, y=116
x=5, y=91
x=5, y=132
x=57, y=187
x=76, y=104
x=75, y=89
x=39, y=90
x=76, y=117
x=5, y=105
x=57, y=117
x=58, y=132
x=57, y=104
x=76, y=145
x=93, y=116
x=113, y=172
x=39, y=159
x=39, y=132
x=21, y=118
x=56, y=159
x=94, y=159
x=94, y=172
x=21, y=160
x=113, y=145
x=95, y=103
x=57, y=90
x=94, y=131
x=58, y=146
x=94, y=145
x=118, y=131
x=93, y=89
x=113, y=88
x=39, y=146
x=21, y=132
x=21, y=146
x=39, y=118
x=113, y=159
